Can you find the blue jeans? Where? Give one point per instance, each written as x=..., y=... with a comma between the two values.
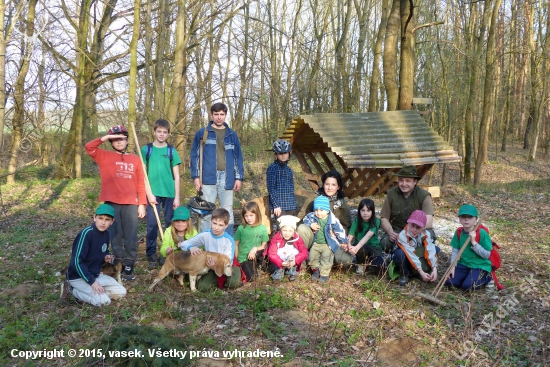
x=152, y=226
x=210, y=192
x=280, y=273
x=469, y=279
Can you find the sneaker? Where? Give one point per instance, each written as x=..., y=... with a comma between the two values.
x=316, y=274
x=128, y=272
x=322, y=279
x=292, y=278
x=360, y=269
x=153, y=261
x=403, y=280
x=66, y=292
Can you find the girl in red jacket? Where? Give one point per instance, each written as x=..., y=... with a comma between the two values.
x=286, y=250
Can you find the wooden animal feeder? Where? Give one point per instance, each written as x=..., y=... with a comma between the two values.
x=366, y=148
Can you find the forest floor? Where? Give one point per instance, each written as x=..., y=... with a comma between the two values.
x=349, y=321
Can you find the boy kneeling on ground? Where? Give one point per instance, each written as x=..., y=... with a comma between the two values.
x=215, y=240
x=416, y=252
x=90, y=250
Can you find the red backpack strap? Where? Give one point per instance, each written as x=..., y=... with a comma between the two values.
x=478, y=233
x=495, y=279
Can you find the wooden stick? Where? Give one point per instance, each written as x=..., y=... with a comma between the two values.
x=439, y=286
x=144, y=167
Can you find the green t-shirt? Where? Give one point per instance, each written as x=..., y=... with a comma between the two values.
x=373, y=241
x=469, y=258
x=220, y=149
x=160, y=172
x=248, y=238
x=320, y=235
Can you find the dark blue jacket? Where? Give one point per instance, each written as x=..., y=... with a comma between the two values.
x=88, y=255
x=234, y=167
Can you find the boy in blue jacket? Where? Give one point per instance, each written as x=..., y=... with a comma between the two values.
x=329, y=238
x=222, y=164
x=90, y=250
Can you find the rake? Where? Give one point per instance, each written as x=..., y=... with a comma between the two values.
x=433, y=297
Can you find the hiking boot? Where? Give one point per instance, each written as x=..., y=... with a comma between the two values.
x=403, y=280
x=66, y=292
x=153, y=261
x=162, y=260
x=128, y=272
x=292, y=278
x=316, y=274
x=322, y=279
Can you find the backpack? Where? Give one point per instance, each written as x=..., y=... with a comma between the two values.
x=494, y=257
x=170, y=151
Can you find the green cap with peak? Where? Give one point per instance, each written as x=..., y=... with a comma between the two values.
x=468, y=209
x=105, y=209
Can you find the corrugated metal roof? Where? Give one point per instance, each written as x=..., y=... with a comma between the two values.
x=372, y=139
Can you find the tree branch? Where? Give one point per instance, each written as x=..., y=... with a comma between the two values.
x=427, y=25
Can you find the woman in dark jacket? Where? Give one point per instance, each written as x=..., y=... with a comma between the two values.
x=332, y=189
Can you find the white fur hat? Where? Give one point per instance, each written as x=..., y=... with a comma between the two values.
x=288, y=220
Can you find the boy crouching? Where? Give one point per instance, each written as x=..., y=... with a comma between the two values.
x=89, y=252
x=215, y=240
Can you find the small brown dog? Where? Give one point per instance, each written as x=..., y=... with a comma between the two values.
x=195, y=266
x=113, y=270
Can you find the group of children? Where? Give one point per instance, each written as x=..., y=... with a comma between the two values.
x=126, y=198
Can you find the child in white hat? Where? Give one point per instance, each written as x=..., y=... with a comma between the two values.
x=286, y=250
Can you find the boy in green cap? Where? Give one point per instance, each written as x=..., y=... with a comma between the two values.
x=473, y=270
x=90, y=250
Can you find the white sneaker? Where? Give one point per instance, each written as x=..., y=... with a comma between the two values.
x=360, y=269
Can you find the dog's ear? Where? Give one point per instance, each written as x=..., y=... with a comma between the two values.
x=219, y=267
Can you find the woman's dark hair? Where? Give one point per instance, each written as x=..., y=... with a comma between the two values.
x=333, y=174
x=372, y=221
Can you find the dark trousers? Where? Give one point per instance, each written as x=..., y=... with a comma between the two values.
x=124, y=232
x=250, y=267
x=152, y=226
x=405, y=267
x=373, y=256
x=469, y=279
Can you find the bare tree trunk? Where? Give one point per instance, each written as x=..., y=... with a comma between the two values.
x=163, y=40
x=148, y=114
x=390, y=57
x=488, y=91
x=510, y=85
x=406, y=72
x=19, y=96
x=132, y=90
x=538, y=81
x=6, y=29
x=342, y=77
x=375, y=77
x=179, y=65
x=472, y=96
x=320, y=25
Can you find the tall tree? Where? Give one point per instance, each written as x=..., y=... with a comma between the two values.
x=6, y=30
x=19, y=95
x=488, y=90
x=390, y=56
x=374, y=100
x=406, y=72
